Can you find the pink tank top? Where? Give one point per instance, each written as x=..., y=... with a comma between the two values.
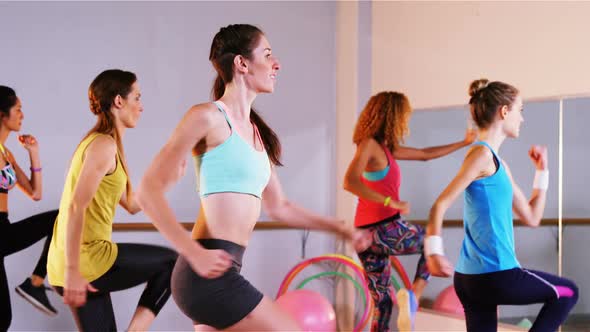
x=369, y=212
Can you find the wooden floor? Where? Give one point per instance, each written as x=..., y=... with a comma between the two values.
x=428, y=320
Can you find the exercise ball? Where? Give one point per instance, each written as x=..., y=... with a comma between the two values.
x=448, y=302
x=310, y=309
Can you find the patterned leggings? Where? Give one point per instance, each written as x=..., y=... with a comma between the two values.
x=391, y=236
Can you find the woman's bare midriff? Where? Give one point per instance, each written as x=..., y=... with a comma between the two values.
x=227, y=216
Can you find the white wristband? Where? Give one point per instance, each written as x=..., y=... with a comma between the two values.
x=541, y=181
x=433, y=245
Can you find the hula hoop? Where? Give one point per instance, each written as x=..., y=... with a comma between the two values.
x=395, y=283
x=334, y=257
x=340, y=259
x=400, y=271
x=358, y=287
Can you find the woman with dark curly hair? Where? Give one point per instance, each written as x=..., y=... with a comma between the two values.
x=374, y=176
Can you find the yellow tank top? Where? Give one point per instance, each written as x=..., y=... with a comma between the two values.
x=97, y=252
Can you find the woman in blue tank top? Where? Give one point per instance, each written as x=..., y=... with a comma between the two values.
x=235, y=154
x=488, y=273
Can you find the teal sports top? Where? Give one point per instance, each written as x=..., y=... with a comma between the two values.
x=232, y=166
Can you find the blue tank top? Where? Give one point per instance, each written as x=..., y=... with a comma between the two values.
x=233, y=166
x=488, y=245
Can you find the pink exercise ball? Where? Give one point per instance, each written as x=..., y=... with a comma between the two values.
x=310, y=309
x=448, y=302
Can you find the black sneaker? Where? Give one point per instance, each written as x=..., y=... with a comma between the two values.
x=36, y=296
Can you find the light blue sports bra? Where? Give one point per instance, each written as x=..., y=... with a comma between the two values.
x=233, y=166
x=376, y=175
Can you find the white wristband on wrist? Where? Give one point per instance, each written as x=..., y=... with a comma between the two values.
x=433, y=245
x=541, y=181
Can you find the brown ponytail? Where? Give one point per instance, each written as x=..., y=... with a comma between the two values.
x=240, y=39
x=487, y=97
x=102, y=92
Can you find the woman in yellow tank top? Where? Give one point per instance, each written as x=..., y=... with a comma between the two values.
x=84, y=265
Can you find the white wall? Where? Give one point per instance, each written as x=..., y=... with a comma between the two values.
x=52, y=51
x=431, y=50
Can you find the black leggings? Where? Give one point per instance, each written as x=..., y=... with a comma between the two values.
x=481, y=294
x=135, y=264
x=15, y=237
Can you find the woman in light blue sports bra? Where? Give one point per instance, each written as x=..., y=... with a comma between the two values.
x=235, y=155
x=20, y=235
x=488, y=273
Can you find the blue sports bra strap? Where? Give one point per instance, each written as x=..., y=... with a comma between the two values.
x=486, y=145
x=223, y=112
x=257, y=133
x=494, y=155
